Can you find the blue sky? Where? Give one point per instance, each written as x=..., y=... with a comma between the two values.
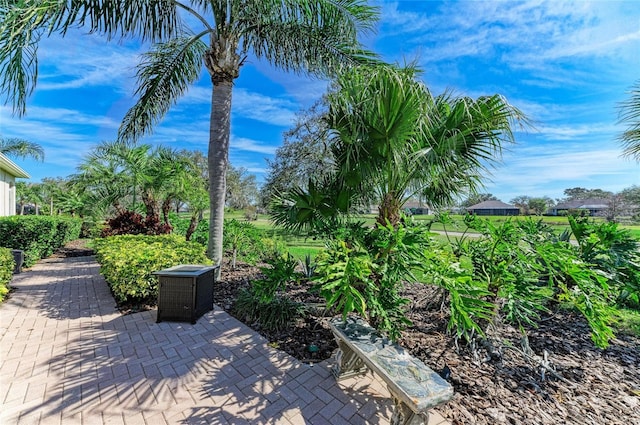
x=567, y=65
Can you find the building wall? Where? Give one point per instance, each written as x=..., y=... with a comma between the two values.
x=7, y=194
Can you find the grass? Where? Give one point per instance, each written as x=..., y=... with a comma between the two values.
x=628, y=321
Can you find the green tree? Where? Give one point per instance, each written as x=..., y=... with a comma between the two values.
x=21, y=148
x=242, y=188
x=393, y=141
x=305, y=153
x=540, y=205
x=302, y=36
x=521, y=202
x=630, y=115
x=576, y=193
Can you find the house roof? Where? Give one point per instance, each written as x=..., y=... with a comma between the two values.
x=493, y=205
x=590, y=203
x=10, y=167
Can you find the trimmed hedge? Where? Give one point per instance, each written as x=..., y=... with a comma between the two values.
x=128, y=261
x=38, y=235
x=6, y=271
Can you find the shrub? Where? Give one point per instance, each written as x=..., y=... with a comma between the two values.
x=364, y=269
x=38, y=236
x=181, y=224
x=6, y=271
x=128, y=261
x=132, y=223
x=242, y=240
x=275, y=314
x=266, y=302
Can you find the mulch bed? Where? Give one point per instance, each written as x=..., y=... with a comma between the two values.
x=505, y=385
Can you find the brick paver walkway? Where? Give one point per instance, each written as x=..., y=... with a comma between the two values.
x=68, y=357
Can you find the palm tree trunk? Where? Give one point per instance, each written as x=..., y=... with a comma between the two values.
x=389, y=210
x=218, y=160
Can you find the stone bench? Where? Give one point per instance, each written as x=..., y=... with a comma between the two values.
x=414, y=387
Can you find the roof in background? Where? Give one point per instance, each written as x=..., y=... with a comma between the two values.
x=583, y=203
x=492, y=205
x=11, y=168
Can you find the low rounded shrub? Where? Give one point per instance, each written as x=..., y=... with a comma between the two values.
x=128, y=261
x=38, y=236
x=6, y=271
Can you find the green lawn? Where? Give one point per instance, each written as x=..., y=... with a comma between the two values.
x=299, y=246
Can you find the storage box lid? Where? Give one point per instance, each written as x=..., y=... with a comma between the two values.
x=185, y=270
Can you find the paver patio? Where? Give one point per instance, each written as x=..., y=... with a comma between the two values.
x=67, y=356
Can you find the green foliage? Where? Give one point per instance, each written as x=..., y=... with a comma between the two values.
x=38, y=236
x=516, y=270
x=242, y=239
x=266, y=302
x=181, y=224
x=613, y=251
x=6, y=271
x=128, y=261
x=364, y=271
x=276, y=314
x=279, y=272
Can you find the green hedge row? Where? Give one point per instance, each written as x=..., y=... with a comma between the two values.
x=128, y=261
x=6, y=271
x=38, y=236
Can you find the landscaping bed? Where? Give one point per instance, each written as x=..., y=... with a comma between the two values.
x=582, y=384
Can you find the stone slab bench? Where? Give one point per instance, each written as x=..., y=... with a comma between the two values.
x=414, y=387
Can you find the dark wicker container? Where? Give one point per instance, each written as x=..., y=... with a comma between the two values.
x=185, y=292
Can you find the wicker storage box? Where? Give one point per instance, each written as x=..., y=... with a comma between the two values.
x=185, y=292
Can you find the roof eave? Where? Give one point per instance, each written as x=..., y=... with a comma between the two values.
x=12, y=168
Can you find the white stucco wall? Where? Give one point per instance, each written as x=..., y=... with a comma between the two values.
x=8, y=173
x=7, y=194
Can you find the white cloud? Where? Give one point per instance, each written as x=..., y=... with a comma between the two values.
x=249, y=145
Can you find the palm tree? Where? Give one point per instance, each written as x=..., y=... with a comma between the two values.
x=630, y=115
x=21, y=148
x=393, y=140
x=315, y=36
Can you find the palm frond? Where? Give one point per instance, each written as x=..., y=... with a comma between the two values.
x=21, y=148
x=164, y=75
x=317, y=37
x=629, y=114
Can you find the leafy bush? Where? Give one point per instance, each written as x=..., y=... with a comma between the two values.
x=181, y=224
x=243, y=240
x=266, y=302
x=128, y=261
x=364, y=270
x=613, y=251
x=514, y=271
x=275, y=314
x=38, y=236
x=6, y=271
x=132, y=223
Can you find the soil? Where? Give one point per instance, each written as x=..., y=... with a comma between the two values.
x=502, y=384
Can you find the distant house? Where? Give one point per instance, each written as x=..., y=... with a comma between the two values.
x=8, y=174
x=417, y=208
x=595, y=206
x=493, y=208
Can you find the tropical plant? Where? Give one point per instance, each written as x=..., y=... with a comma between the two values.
x=21, y=148
x=393, y=141
x=316, y=36
x=630, y=115
x=242, y=239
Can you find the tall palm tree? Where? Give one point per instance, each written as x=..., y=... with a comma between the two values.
x=21, y=148
x=630, y=115
x=315, y=36
x=393, y=140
